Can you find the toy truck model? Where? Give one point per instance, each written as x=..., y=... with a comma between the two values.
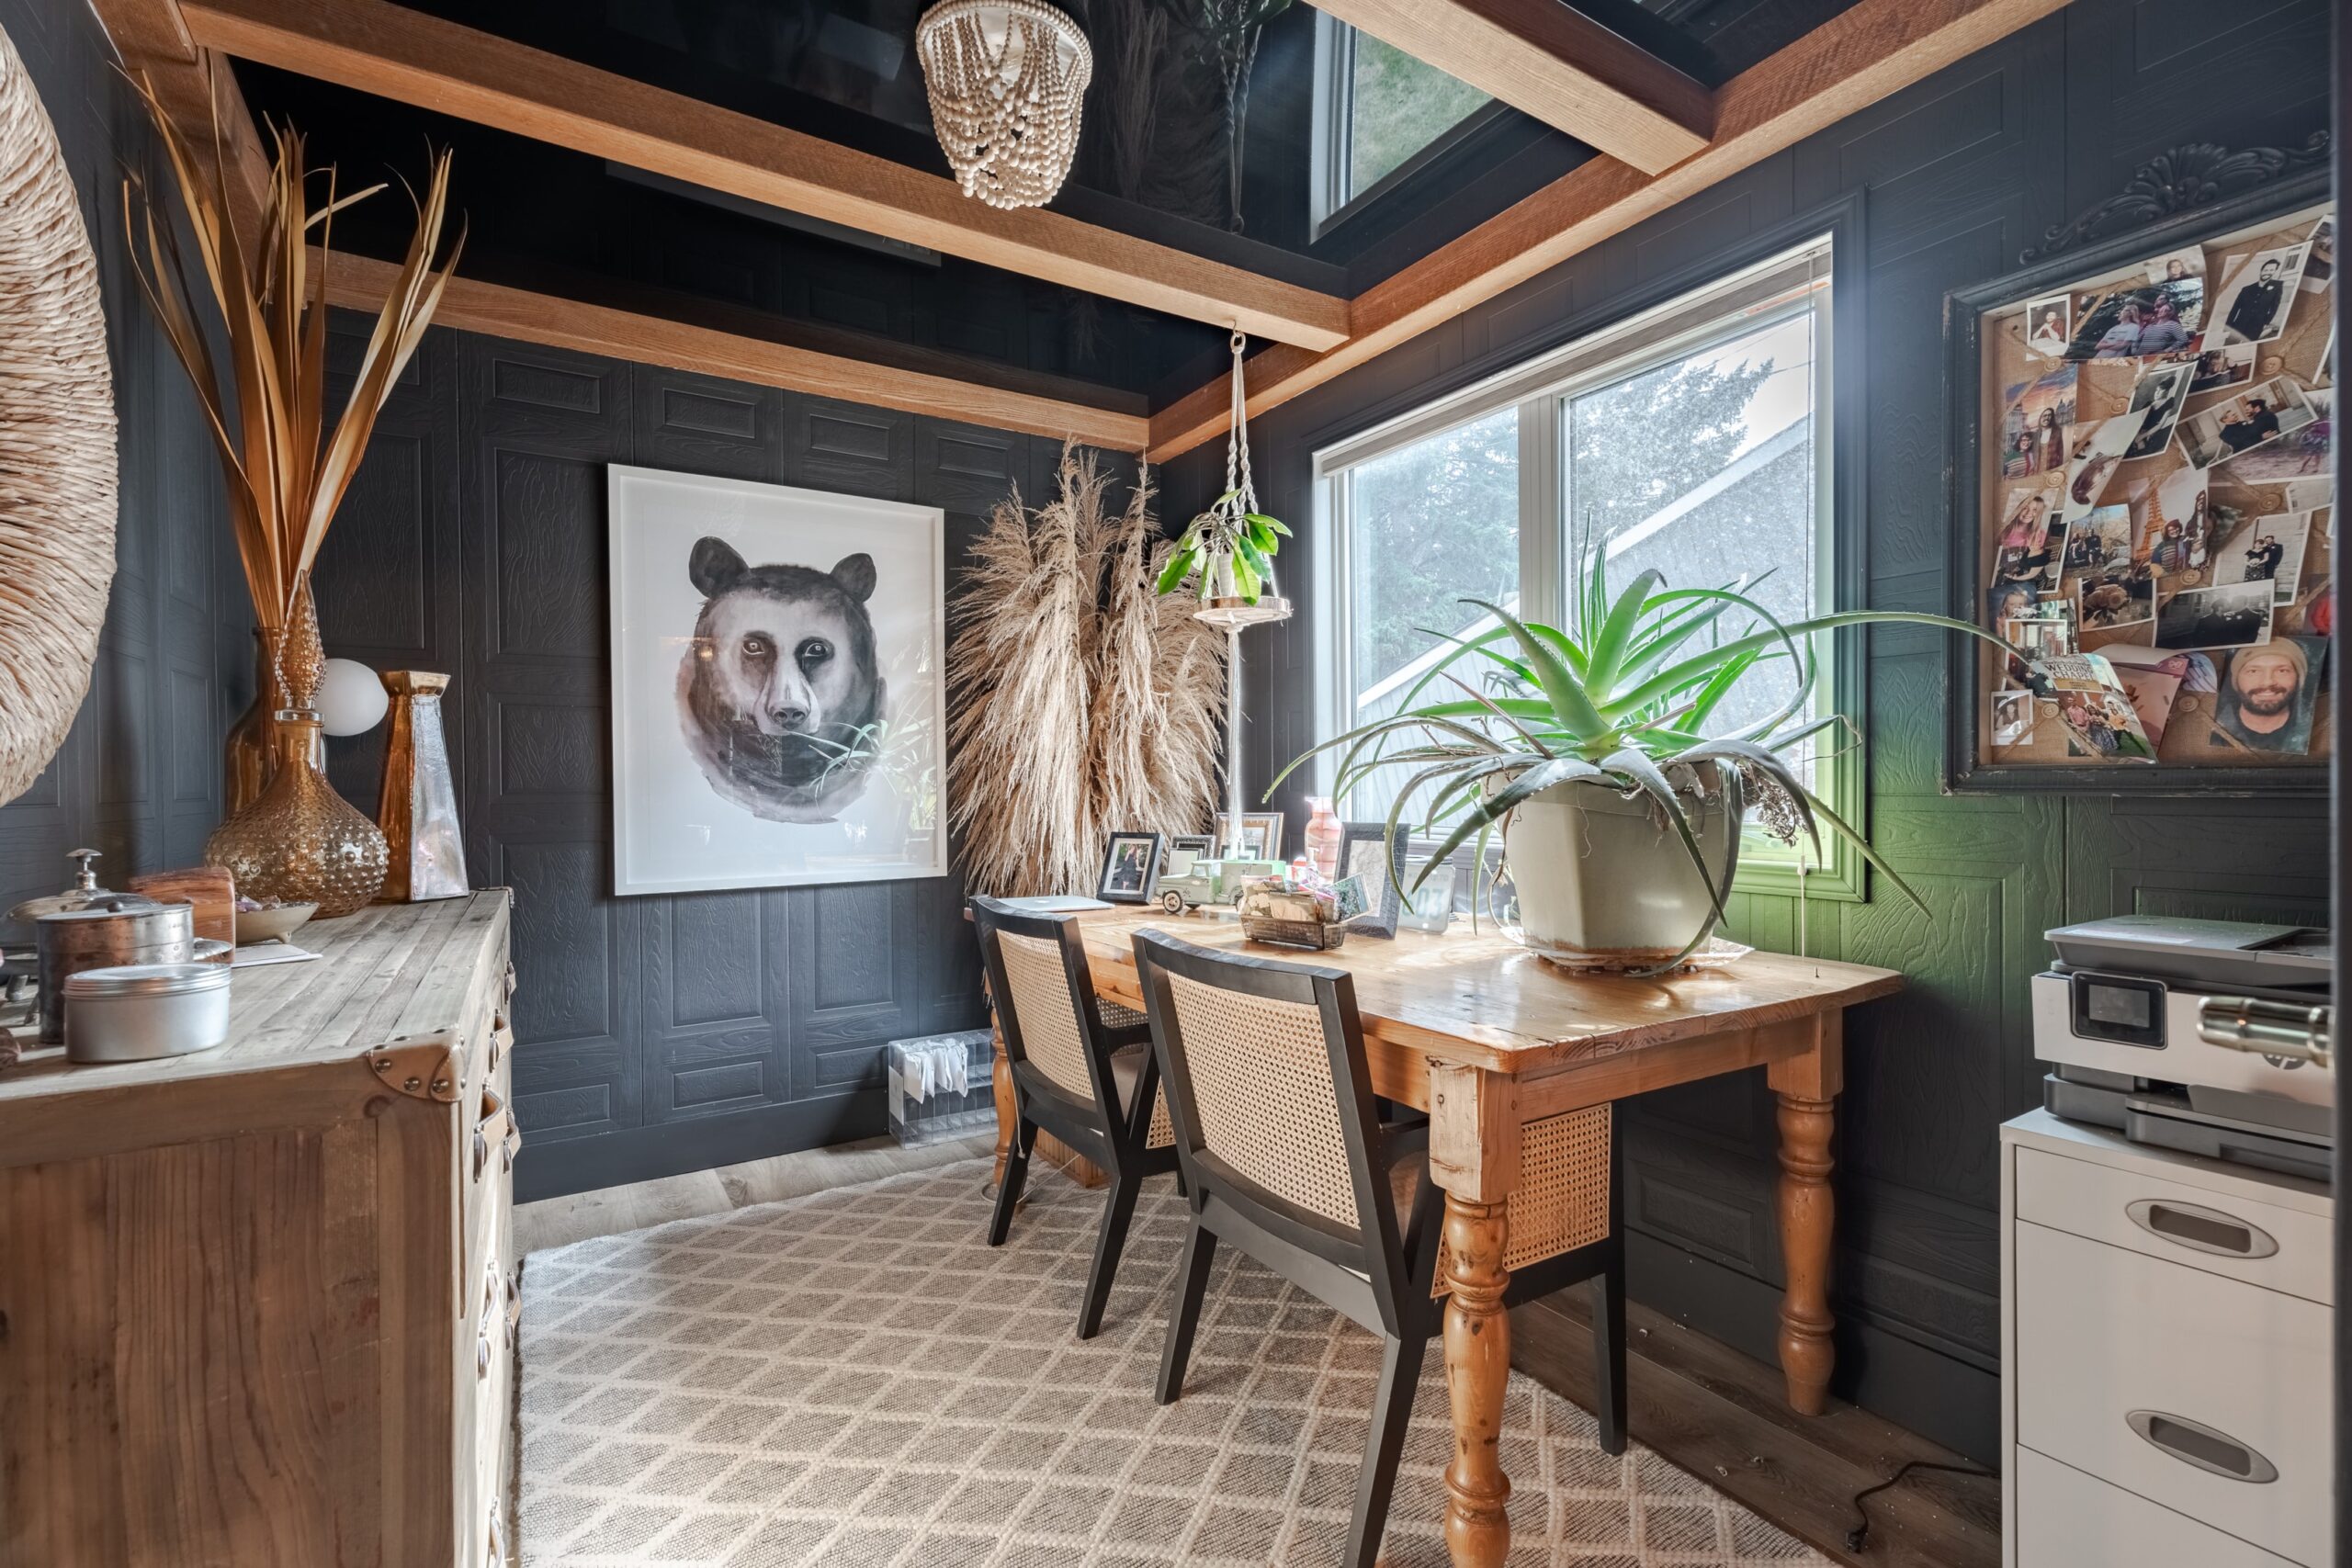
x=1189, y=882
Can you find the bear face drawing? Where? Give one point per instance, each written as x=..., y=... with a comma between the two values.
x=779, y=695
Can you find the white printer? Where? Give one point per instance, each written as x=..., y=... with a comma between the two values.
x=2118, y=1017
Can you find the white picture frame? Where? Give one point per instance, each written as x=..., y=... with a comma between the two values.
x=778, y=710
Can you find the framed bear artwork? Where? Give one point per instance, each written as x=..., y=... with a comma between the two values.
x=777, y=703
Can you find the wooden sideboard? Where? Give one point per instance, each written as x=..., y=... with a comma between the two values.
x=259, y=1305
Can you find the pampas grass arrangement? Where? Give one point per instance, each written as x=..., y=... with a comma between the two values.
x=1080, y=701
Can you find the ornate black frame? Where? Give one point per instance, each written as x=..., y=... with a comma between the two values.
x=2193, y=212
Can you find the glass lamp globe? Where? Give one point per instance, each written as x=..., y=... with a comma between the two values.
x=352, y=699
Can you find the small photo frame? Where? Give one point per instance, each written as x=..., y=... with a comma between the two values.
x=1365, y=857
x=1260, y=837
x=2049, y=325
x=2013, y=715
x=1183, y=849
x=1130, y=869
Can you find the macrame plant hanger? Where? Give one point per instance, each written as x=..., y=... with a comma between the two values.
x=1225, y=608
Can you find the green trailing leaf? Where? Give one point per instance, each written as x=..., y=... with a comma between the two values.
x=1273, y=524
x=1846, y=831
x=1179, y=566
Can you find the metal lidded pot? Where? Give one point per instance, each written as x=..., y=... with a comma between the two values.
x=139, y=1012
x=89, y=926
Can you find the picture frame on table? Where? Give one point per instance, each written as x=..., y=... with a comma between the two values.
x=1191, y=847
x=1976, y=318
x=1260, y=837
x=1367, y=856
x=1130, y=869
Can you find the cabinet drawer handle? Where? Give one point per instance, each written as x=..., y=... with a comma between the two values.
x=2201, y=1229
x=2194, y=1443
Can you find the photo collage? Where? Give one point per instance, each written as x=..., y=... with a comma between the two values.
x=2158, y=507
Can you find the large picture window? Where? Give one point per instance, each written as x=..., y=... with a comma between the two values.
x=1694, y=439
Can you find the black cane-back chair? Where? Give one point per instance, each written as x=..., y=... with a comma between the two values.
x=1284, y=1158
x=1082, y=1070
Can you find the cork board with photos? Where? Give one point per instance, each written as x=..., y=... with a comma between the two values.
x=2155, y=490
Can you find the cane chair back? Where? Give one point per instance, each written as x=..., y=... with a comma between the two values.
x=1049, y=1014
x=1043, y=1015
x=1264, y=1068
x=1269, y=1105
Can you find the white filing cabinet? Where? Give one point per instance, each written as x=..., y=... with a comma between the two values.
x=2165, y=1336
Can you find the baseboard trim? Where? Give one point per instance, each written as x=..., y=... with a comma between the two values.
x=561, y=1167
x=1944, y=1400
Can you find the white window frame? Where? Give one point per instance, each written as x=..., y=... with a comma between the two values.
x=1790, y=283
x=1332, y=134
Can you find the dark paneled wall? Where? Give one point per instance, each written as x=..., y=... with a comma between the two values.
x=1958, y=175
x=139, y=777
x=658, y=1033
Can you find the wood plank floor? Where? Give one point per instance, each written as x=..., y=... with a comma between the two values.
x=1722, y=1417
x=609, y=1210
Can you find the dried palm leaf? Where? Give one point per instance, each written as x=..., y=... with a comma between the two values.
x=265, y=406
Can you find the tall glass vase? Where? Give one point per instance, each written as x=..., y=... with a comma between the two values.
x=300, y=842
x=250, y=754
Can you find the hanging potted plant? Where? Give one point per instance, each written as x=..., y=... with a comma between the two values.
x=1621, y=816
x=1228, y=550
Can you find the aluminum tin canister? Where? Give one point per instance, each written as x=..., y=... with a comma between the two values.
x=72, y=940
x=139, y=1012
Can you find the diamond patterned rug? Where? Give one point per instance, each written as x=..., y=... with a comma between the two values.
x=854, y=1380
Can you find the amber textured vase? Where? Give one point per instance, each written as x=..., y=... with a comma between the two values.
x=301, y=842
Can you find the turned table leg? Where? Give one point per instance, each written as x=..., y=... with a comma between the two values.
x=1807, y=1089
x=1477, y=1369
x=1008, y=1110
x=1474, y=1155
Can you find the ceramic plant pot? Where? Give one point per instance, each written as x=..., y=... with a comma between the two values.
x=1603, y=882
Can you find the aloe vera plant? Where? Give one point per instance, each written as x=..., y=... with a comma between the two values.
x=1623, y=702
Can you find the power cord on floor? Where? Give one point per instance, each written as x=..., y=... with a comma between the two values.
x=1861, y=1532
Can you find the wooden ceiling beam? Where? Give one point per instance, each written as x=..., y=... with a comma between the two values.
x=149, y=36
x=1556, y=63
x=154, y=42
x=471, y=305
x=376, y=47
x=1877, y=48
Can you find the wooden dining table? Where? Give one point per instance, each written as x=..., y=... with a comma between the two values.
x=1488, y=1040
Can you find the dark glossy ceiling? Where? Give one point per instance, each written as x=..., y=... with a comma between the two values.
x=844, y=71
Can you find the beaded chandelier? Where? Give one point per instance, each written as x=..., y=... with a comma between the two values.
x=1007, y=79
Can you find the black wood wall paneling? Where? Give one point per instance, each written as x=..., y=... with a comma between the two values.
x=658, y=1033
x=139, y=776
x=1958, y=175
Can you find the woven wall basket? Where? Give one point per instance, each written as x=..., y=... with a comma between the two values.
x=57, y=440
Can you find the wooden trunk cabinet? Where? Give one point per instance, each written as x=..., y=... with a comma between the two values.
x=259, y=1305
